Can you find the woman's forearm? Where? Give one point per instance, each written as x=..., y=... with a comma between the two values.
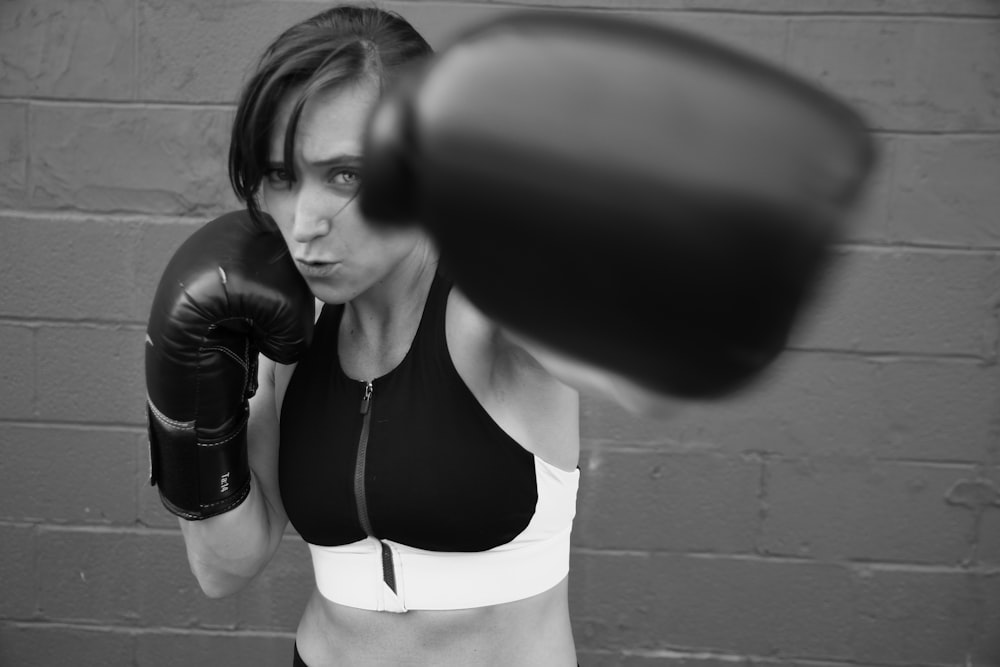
x=227, y=551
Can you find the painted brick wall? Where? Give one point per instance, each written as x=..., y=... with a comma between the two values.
x=845, y=512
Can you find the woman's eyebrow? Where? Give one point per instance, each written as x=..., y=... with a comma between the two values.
x=334, y=160
x=341, y=159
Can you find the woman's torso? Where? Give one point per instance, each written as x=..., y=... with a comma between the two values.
x=532, y=410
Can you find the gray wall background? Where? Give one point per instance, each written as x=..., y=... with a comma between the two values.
x=846, y=512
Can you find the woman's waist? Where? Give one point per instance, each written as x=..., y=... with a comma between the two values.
x=531, y=631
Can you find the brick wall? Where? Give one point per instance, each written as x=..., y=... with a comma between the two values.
x=845, y=512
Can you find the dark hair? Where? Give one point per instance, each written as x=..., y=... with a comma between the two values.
x=343, y=45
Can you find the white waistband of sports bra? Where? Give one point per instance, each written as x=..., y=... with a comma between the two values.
x=352, y=574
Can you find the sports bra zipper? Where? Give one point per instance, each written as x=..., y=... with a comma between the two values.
x=360, y=494
x=359, y=467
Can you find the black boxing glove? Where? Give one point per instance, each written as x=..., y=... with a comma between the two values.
x=629, y=194
x=229, y=291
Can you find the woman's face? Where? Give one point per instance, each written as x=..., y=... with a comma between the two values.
x=336, y=250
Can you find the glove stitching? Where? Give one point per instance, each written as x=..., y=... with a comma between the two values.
x=187, y=426
x=234, y=434
x=224, y=505
x=232, y=355
x=235, y=500
x=246, y=361
x=202, y=348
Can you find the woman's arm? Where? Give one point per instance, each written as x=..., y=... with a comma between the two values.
x=228, y=550
x=514, y=362
x=671, y=232
x=590, y=380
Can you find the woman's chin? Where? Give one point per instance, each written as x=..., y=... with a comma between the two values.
x=330, y=291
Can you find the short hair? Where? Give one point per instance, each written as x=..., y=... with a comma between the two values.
x=340, y=46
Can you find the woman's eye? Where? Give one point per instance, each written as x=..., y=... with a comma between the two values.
x=278, y=178
x=346, y=177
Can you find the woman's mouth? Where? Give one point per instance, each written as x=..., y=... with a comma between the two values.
x=316, y=269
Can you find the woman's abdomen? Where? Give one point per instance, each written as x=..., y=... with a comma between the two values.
x=525, y=633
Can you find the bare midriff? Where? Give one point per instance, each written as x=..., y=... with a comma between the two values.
x=525, y=633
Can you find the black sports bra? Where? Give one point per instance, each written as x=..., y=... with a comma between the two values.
x=410, y=457
x=407, y=492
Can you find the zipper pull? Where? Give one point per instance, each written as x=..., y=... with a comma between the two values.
x=366, y=401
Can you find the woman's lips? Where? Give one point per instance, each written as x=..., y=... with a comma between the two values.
x=316, y=269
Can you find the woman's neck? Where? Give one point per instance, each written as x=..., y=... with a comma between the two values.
x=396, y=301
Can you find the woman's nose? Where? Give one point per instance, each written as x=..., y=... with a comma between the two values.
x=312, y=219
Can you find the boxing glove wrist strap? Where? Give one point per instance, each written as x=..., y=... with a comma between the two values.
x=221, y=471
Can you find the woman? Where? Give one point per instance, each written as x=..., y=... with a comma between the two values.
x=428, y=458
x=427, y=455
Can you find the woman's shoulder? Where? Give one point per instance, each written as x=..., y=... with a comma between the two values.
x=519, y=393
x=483, y=348
x=463, y=316
x=471, y=337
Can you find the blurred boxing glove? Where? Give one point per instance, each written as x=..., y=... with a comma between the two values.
x=629, y=194
x=229, y=291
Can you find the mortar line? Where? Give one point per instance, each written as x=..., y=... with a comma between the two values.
x=120, y=103
x=685, y=8
x=35, y=359
x=757, y=660
x=28, y=152
x=762, y=503
x=137, y=529
x=916, y=248
x=62, y=215
x=121, y=427
x=136, y=75
x=103, y=626
x=723, y=453
x=63, y=323
x=853, y=565
x=892, y=356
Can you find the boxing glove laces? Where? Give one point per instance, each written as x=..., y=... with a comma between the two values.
x=230, y=292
